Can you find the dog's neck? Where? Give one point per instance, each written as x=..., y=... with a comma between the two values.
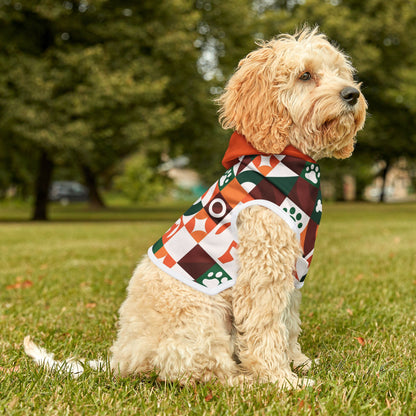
x=239, y=146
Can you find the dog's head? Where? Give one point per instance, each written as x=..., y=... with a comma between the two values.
x=295, y=90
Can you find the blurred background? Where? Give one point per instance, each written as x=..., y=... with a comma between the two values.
x=103, y=101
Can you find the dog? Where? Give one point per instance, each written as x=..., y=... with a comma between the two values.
x=217, y=297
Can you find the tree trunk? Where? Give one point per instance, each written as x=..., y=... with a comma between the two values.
x=42, y=185
x=384, y=177
x=95, y=199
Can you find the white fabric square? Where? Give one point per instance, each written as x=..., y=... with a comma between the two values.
x=177, y=251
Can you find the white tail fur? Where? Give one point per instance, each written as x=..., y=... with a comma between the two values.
x=71, y=365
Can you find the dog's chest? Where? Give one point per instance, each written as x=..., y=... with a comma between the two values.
x=200, y=249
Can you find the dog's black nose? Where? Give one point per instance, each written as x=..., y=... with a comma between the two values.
x=350, y=95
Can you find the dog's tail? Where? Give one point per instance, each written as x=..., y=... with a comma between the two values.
x=71, y=365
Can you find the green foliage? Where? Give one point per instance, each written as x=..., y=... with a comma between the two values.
x=16, y=167
x=92, y=83
x=83, y=90
x=223, y=36
x=139, y=181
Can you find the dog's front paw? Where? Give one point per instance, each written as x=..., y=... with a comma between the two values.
x=304, y=364
x=306, y=382
x=297, y=383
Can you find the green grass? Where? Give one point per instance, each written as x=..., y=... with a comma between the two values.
x=62, y=282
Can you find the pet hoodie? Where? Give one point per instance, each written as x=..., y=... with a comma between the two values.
x=200, y=249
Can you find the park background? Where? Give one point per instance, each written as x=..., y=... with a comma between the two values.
x=119, y=96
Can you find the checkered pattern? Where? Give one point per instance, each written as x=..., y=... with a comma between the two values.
x=200, y=249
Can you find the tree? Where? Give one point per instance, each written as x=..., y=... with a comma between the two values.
x=223, y=35
x=90, y=83
x=85, y=83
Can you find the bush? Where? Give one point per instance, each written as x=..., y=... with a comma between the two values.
x=140, y=182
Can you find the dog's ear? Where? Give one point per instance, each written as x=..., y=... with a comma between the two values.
x=251, y=104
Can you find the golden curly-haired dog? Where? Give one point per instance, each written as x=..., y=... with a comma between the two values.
x=295, y=91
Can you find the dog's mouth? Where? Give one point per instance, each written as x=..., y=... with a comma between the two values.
x=328, y=124
x=339, y=135
x=342, y=123
x=334, y=126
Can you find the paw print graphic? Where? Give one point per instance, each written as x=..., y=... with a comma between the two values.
x=228, y=175
x=295, y=217
x=312, y=173
x=318, y=206
x=214, y=279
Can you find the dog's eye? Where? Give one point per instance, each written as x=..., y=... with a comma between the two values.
x=306, y=76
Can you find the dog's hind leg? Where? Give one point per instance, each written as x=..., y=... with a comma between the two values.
x=199, y=347
x=173, y=329
x=268, y=250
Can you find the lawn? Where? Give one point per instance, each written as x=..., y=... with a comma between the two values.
x=62, y=282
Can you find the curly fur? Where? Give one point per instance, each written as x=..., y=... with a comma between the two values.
x=249, y=332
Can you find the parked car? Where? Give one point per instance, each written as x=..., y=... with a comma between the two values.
x=68, y=191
